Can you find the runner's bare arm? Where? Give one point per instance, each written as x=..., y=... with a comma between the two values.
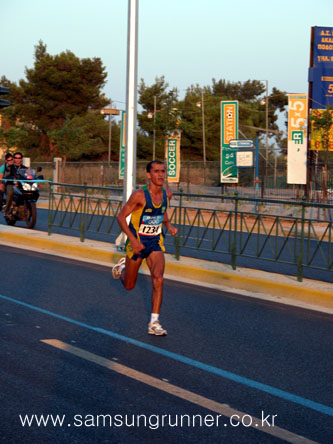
x=136, y=201
x=172, y=230
x=169, y=193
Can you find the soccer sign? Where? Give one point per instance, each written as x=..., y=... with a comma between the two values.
x=172, y=157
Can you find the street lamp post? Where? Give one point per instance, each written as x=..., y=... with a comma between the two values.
x=154, y=130
x=202, y=106
x=153, y=116
x=110, y=112
x=266, y=103
x=203, y=133
x=131, y=99
x=266, y=138
x=110, y=134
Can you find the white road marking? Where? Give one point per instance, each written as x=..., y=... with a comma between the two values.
x=199, y=400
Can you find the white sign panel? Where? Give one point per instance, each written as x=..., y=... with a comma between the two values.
x=244, y=159
x=241, y=143
x=297, y=138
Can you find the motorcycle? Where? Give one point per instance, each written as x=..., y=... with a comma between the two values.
x=26, y=193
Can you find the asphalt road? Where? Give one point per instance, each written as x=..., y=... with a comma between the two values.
x=190, y=250
x=259, y=358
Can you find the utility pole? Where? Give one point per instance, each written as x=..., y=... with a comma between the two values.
x=266, y=102
x=131, y=108
x=203, y=133
x=110, y=133
x=131, y=99
x=154, y=130
x=110, y=112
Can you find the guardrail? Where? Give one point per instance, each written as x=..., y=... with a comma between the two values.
x=295, y=233
x=84, y=208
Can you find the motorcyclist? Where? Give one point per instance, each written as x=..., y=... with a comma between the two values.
x=17, y=169
x=7, y=171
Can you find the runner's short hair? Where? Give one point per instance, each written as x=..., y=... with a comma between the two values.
x=151, y=163
x=8, y=156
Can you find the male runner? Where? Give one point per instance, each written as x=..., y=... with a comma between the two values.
x=145, y=240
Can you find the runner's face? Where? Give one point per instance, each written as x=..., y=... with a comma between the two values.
x=157, y=174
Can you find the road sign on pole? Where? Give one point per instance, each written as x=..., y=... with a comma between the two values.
x=241, y=143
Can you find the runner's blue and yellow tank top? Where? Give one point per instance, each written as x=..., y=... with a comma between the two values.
x=146, y=224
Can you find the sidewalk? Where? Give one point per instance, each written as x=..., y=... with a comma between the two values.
x=252, y=283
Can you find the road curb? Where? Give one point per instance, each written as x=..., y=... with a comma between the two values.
x=54, y=245
x=196, y=271
x=265, y=284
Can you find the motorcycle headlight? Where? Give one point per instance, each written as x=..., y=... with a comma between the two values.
x=26, y=186
x=34, y=186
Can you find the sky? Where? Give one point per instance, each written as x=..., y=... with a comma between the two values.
x=189, y=42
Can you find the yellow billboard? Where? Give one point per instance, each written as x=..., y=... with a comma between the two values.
x=318, y=142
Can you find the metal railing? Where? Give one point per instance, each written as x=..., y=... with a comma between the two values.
x=298, y=233
x=294, y=233
x=84, y=209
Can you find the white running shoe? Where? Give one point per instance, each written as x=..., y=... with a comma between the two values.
x=156, y=329
x=118, y=268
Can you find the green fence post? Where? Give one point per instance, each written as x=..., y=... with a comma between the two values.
x=301, y=251
x=83, y=218
x=50, y=209
x=234, y=243
x=178, y=235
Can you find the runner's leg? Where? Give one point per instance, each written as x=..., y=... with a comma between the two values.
x=130, y=273
x=156, y=264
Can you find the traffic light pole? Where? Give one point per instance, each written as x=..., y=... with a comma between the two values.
x=4, y=103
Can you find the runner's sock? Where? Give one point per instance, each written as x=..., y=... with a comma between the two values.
x=154, y=317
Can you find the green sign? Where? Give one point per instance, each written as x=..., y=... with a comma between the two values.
x=297, y=137
x=122, y=145
x=229, y=122
x=172, y=155
x=229, y=170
